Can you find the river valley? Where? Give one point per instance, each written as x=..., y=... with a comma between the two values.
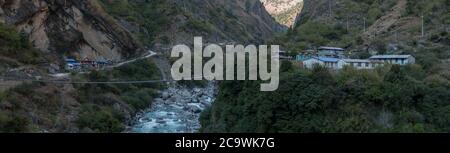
x=176, y=110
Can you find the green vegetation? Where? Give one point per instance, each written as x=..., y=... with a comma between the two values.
x=100, y=119
x=16, y=102
x=105, y=105
x=414, y=98
x=323, y=30
x=16, y=46
x=388, y=99
x=151, y=17
x=32, y=107
x=345, y=28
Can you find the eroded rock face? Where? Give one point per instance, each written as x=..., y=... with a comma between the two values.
x=79, y=28
x=284, y=11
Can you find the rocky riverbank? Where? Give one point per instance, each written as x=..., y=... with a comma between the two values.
x=177, y=110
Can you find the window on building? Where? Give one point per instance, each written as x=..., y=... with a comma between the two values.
x=359, y=64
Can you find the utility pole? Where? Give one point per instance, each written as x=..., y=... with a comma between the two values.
x=329, y=5
x=364, y=24
x=423, y=24
x=396, y=36
x=347, y=24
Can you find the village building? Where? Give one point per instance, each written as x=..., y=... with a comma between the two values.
x=394, y=59
x=331, y=63
x=334, y=58
x=362, y=63
x=305, y=55
x=72, y=64
x=85, y=64
x=332, y=52
x=372, y=63
x=284, y=55
x=312, y=62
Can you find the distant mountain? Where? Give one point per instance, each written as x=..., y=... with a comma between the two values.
x=284, y=11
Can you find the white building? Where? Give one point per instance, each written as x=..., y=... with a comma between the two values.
x=394, y=59
x=373, y=62
x=331, y=63
x=362, y=63
x=331, y=52
x=310, y=63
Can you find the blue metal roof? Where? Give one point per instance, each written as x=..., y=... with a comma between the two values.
x=327, y=59
x=390, y=56
x=331, y=48
x=69, y=60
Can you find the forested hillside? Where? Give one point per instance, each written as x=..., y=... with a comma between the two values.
x=163, y=23
x=389, y=99
x=36, y=36
x=414, y=98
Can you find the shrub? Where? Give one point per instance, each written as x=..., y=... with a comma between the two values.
x=99, y=119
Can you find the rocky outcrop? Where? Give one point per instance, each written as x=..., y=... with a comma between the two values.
x=284, y=11
x=78, y=28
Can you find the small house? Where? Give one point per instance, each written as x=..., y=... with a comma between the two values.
x=394, y=59
x=72, y=64
x=362, y=63
x=331, y=63
x=312, y=62
x=283, y=55
x=332, y=52
x=303, y=57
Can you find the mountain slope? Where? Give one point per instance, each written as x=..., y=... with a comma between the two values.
x=163, y=23
x=284, y=11
x=413, y=98
x=372, y=26
x=83, y=29
x=76, y=28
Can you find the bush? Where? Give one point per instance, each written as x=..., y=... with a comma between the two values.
x=17, y=46
x=140, y=99
x=321, y=101
x=13, y=124
x=99, y=119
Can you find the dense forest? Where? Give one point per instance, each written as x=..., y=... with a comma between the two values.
x=413, y=98
x=388, y=99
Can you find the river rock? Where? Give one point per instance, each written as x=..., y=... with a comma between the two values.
x=179, y=105
x=161, y=121
x=165, y=95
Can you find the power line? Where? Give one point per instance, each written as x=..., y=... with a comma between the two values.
x=96, y=82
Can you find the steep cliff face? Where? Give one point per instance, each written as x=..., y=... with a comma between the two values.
x=235, y=20
x=164, y=23
x=284, y=11
x=75, y=28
